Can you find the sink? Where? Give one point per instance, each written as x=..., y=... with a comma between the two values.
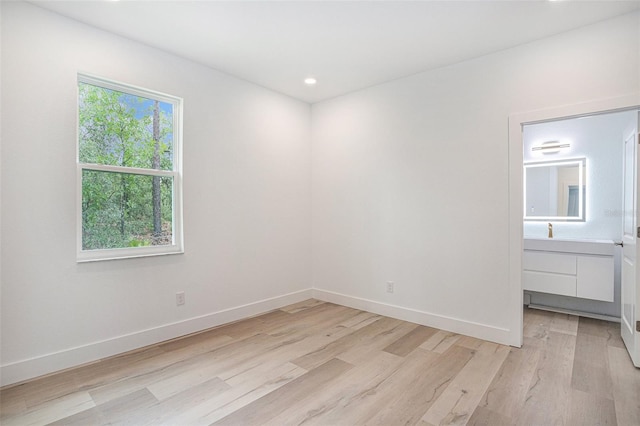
x=571, y=245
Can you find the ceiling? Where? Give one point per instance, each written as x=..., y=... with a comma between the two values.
x=346, y=45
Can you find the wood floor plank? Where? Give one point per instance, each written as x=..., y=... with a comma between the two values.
x=273, y=320
x=126, y=409
x=124, y=375
x=327, y=322
x=537, y=323
x=564, y=323
x=129, y=410
x=176, y=383
x=587, y=409
x=272, y=404
x=440, y=341
x=12, y=403
x=296, y=341
x=507, y=392
x=203, y=367
x=378, y=341
x=228, y=360
x=407, y=343
x=119, y=367
x=179, y=408
x=220, y=402
x=260, y=373
x=196, y=344
x=361, y=319
x=330, y=404
x=248, y=355
x=407, y=395
x=53, y=410
x=625, y=386
x=92, y=416
x=301, y=306
x=43, y=390
x=469, y=342
x=321, y=317
x=550, y=387
x=606, y=329
x=239, y=397
x=459, y=400
x=591, y=365
x=321, y=310
x=483, y=416
x=331, y=350
x=255, y=325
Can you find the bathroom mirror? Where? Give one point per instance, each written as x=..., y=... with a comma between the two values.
x=555, y=190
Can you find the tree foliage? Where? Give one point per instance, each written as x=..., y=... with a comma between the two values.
x=119, y=129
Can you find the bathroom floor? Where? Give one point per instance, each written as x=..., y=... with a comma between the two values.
x=581, y=362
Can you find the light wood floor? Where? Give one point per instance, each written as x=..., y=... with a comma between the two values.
x=324, y=364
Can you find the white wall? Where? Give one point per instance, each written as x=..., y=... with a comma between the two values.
x=410, y=178
x=246, y=201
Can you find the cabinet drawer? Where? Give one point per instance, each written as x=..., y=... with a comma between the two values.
x=549, y=262
x=550, y=283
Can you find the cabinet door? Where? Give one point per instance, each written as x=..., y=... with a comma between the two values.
x=595, y=278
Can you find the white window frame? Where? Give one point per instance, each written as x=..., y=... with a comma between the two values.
x=177, y=246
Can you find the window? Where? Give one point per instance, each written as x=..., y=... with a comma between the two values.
x=129, y=171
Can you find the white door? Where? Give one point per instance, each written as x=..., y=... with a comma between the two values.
x=630, y=293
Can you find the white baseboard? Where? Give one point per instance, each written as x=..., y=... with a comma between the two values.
x=38, y=366
x=454, y=325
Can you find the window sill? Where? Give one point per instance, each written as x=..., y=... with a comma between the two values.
x=86, y=256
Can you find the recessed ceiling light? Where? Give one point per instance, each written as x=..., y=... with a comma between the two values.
x=310, y=81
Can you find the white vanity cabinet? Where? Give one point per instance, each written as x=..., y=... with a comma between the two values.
x=574, y=268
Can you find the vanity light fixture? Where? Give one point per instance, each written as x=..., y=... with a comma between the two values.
x=551, y=147
x=310, y=81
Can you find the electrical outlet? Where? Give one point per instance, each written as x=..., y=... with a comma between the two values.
x=390, y=286
x=180, y=298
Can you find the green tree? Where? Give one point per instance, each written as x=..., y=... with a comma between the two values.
x=124, y=209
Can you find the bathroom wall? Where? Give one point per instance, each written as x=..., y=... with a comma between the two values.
x=599, y=140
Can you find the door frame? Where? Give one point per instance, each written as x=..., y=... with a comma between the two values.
x=516, y=165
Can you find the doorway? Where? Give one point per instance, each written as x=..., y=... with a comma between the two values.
x=517, y=124
x=587, y=204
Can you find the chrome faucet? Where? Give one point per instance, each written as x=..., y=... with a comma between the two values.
x=550, y=230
